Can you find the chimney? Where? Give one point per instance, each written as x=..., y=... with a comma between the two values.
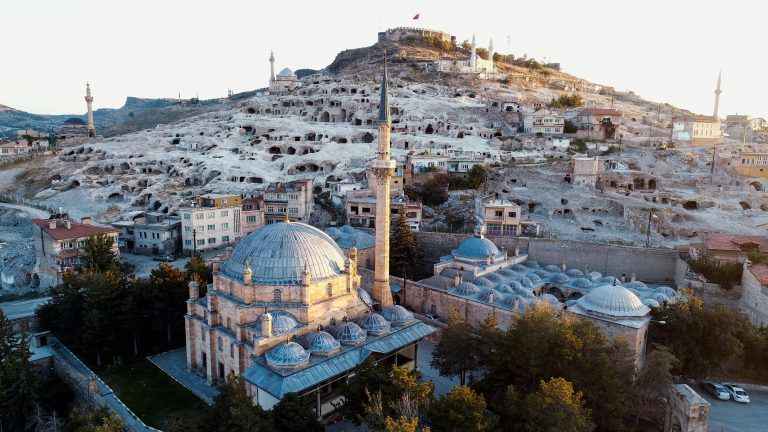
x=86, y=220
x=194, y=290
x=52, y=224
x=68, y=223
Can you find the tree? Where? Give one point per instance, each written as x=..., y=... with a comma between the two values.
x=434, y=191
x=18, y=383
x=653, y=383
x=455, y=354
x=198, y=270
x=476, y=176
x=569, y=127
x=104, y=314
x=168, y=291
x=234, y=411
x=405, y=254
x=555, y=407
x=292, y=414
x=703, y=339
x=98, y=254
x=83, y=419
x=460, y=410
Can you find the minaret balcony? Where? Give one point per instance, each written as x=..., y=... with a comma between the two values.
x=384, y=164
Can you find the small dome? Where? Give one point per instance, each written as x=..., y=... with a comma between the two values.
x=552, y=300
x=541, y=273
x=476, y=248
x=651, y=303
x=613, y=301
x=322, y=343
x=504, y=288
x=535, y=279
x=347, y=238
x=558, y=278
x=552, y=268
x=397, y=315
x=350, y=333
x=375, y=324
x=493, y=277
x=74, y=121
x=581, y=283
x=365, y=297
x=668, y=291
x=607, y=280
x=287, y=355
x=574, y=272
x=526, y=282
x=490, y=296
x=636, y=285
x=282, y=323
x=484, y=282
x=466, y=289
x=520, y=268
x=286, y=72
x=508, y=273
x=595, y=275
x=532, y=264
x=661, y=298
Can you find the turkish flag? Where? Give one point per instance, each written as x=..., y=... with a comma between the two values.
x=416, y=17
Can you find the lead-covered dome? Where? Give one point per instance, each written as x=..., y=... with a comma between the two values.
x=613, y=301
x=286, y=72
x=476, y=248
x=287, y=355
x=375, y=324
x=322, y=343
x=397, y=315
x=279, y=253
x=350, y=333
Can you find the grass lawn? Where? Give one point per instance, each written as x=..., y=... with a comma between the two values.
x=151, y=394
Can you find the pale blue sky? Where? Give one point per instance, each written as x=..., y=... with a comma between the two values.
x=668, y=51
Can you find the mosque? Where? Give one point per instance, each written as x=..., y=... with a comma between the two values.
x=287, y=313
x=283, y=82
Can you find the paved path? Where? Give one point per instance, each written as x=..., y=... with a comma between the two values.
x=30, y=211
x=730, y=416
x=174, y=363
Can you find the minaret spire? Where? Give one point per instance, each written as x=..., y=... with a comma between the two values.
x=383, y=169
x=271, y=66
x=490, y=54
x=473, y=55
x=717, y=94
x=89, y=104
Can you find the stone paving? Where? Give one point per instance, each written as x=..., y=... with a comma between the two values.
x=174, y=363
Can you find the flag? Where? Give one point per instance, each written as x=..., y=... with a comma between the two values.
x=416, y=17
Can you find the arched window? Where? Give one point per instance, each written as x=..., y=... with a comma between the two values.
x=229, y=323
x=219, y=343
x=277, y=296
x=330, y=290
x=232, y=350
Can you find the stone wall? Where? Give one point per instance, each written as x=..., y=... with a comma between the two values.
x=754, y=298
x=647, y=264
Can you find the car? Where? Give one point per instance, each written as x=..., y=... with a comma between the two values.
x=717, y=390
x=737, y=393
x=164, y=258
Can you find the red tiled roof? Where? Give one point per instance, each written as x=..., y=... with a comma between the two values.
x=76, y=230
x=728, y=242
x=761, y=273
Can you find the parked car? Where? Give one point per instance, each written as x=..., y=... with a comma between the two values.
x=164, y=258
x=737, y=393
x=717, y=390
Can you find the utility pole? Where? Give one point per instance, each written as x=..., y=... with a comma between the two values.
x=648, y=230
x=194, y=242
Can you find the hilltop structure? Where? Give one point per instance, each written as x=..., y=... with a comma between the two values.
x=282, y=83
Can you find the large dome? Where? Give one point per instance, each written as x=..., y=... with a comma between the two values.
x=476, y=248
x=613, y=301
x=279, y=253
x=286, y=72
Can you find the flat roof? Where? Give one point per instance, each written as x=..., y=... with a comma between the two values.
x=14, y=310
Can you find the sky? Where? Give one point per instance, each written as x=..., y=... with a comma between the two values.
x=666, y=51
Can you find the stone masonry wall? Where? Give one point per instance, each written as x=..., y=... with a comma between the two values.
x=647, y=264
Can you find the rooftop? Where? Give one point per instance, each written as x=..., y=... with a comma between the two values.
x=76, y=230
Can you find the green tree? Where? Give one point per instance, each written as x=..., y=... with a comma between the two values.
x=569, y=127
x=703, y=339
x=83, y=419
x=168, y=287
x=18, y=383
x=234, y=411
x=198, y=270
x=476, y=176
x=653, y=383
x=104, y=314
x=461, y=410
x=98, y=254
x=293, y=414
x=456, y=353
x=555, y=407
x=405, y=257
x=434, y=191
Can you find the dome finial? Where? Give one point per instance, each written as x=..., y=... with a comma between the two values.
x=247, y=272
x=286, y=218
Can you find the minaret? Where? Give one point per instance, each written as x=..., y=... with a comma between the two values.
x=89, y=103
x=271, y=66
x=490, y=54
x=473, y=55
x=717, y=94
x=383, y=169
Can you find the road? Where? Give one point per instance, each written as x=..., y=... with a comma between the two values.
x=30, y=211
x=730, y=416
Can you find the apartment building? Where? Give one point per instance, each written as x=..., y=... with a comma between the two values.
x=544, y=122
x=212, y=222
x=293, y=199
x=60, y=241
x=360, y=209
x=502, y=218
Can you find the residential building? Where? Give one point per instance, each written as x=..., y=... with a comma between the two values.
x=696, y=130
x=586, y=170
x=252, y=214
x=13, y=149
x=502, y=218
x=212, y=222
x=293, y=199
x=360, y=208
x=754, y=297
x=157, y=234
x=758, y=124
x=733, y=248
x=544, y=122
x=61, y=240
x=602, y=121
x=751, y=164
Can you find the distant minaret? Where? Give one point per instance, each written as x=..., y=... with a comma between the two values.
x=89, y=103
x=717, y=94
x=473, y=55
x=271, y=66
x=490, y=54
x=383, y=169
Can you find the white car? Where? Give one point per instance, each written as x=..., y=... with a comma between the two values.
x=717, y=390
x=737, y=393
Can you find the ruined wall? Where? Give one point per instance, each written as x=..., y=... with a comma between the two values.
x=754, y=298
x=647, y=264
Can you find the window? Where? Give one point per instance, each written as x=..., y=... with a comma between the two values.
x=366, y=209
x=225, y=238
x=211, y=215
x=211, y=240
x=199, y=216
x=512, y=214
x=293, y=210
x=187, y=242
x=202, y=333
x=225, y=226
x=499, y=213
x=250, y=219
x=220, y=344
x=277, y=296
x=353, y=209
x=224, y=213
x=187, y=216
x=232, y=350
x=229, y=323
x=329, y=289
x=187, y=228
x=201, y=242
